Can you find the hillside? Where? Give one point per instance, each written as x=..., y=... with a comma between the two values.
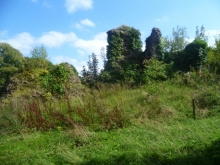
x=115, y=124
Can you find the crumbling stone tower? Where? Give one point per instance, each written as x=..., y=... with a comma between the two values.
x=152, y=42
x=124, y=46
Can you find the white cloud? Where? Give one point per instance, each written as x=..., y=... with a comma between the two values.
x=76, y=63
x=189, y=40
x=212, y=34
x=162, y=19
x=87, y=22
x=23, y=42
x=143, y=47
x=87, y=47
x=81, y=26
x=74, y=5
x=56, y=39
x=91, y=46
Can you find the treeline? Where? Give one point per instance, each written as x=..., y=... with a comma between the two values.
x=36, y=68
x=124, y=60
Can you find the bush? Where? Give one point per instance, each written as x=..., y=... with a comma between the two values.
x=213, y=57
x=54, y=81
x=193, y=56
x=208, y=99
x=155, y=70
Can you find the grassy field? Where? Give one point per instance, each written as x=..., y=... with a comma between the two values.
x=114, y=124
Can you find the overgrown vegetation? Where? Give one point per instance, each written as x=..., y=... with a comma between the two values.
x=135, y=111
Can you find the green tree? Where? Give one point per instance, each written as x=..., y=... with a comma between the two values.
x=193, y=56
x=11, y=61
x=178, y=40
x=213, y=57
x=11, y=56
x=155, y=70
x=161, y=49
x=94, y=66
x=171, y=49
x=90, y=76
x=84, y=74
x=39, y=57
x=200, y=34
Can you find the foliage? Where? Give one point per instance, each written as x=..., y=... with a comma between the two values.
x=193, y=55
x=196, y=53
x=90, y=76
x=11, y=61
x=10, y=56
x=89, y=110
x=6, y=73
x=184, y=55
x=38, y=58
x=34, y=63
x=208, y=99
x=178, y=40
x=114, y=123
x=55, y=80
x=171, y=50
x=114, y=52
x=107, y=76
x=200, y=34
x=93, y=66
x=160, y=121
x=155, y=70
x=160, y=49
x=122, y=44
x=213, y=57
x=135, y=41
x=131, y=73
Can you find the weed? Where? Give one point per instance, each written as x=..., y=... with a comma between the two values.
x=114, y=124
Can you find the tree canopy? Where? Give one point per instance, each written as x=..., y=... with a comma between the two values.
x=11, y=61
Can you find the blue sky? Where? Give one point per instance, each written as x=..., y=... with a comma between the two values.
x=71, y=30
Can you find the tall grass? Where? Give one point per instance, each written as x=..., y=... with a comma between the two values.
x=110, y=106
x=67, y=112
x=116, y=124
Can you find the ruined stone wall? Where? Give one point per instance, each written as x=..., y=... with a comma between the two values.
x=125, y=47
x=128, y=36
x=152, y=42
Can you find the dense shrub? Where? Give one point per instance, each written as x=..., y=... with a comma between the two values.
x=208, y=99
x=54, y=81
x=11, y=61
x=155, y=70
x=193, y=56
x=213, y=57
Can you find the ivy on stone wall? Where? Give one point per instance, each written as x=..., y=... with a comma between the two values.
x=123, y=44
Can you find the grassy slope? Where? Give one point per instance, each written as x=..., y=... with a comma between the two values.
x=161, y=131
